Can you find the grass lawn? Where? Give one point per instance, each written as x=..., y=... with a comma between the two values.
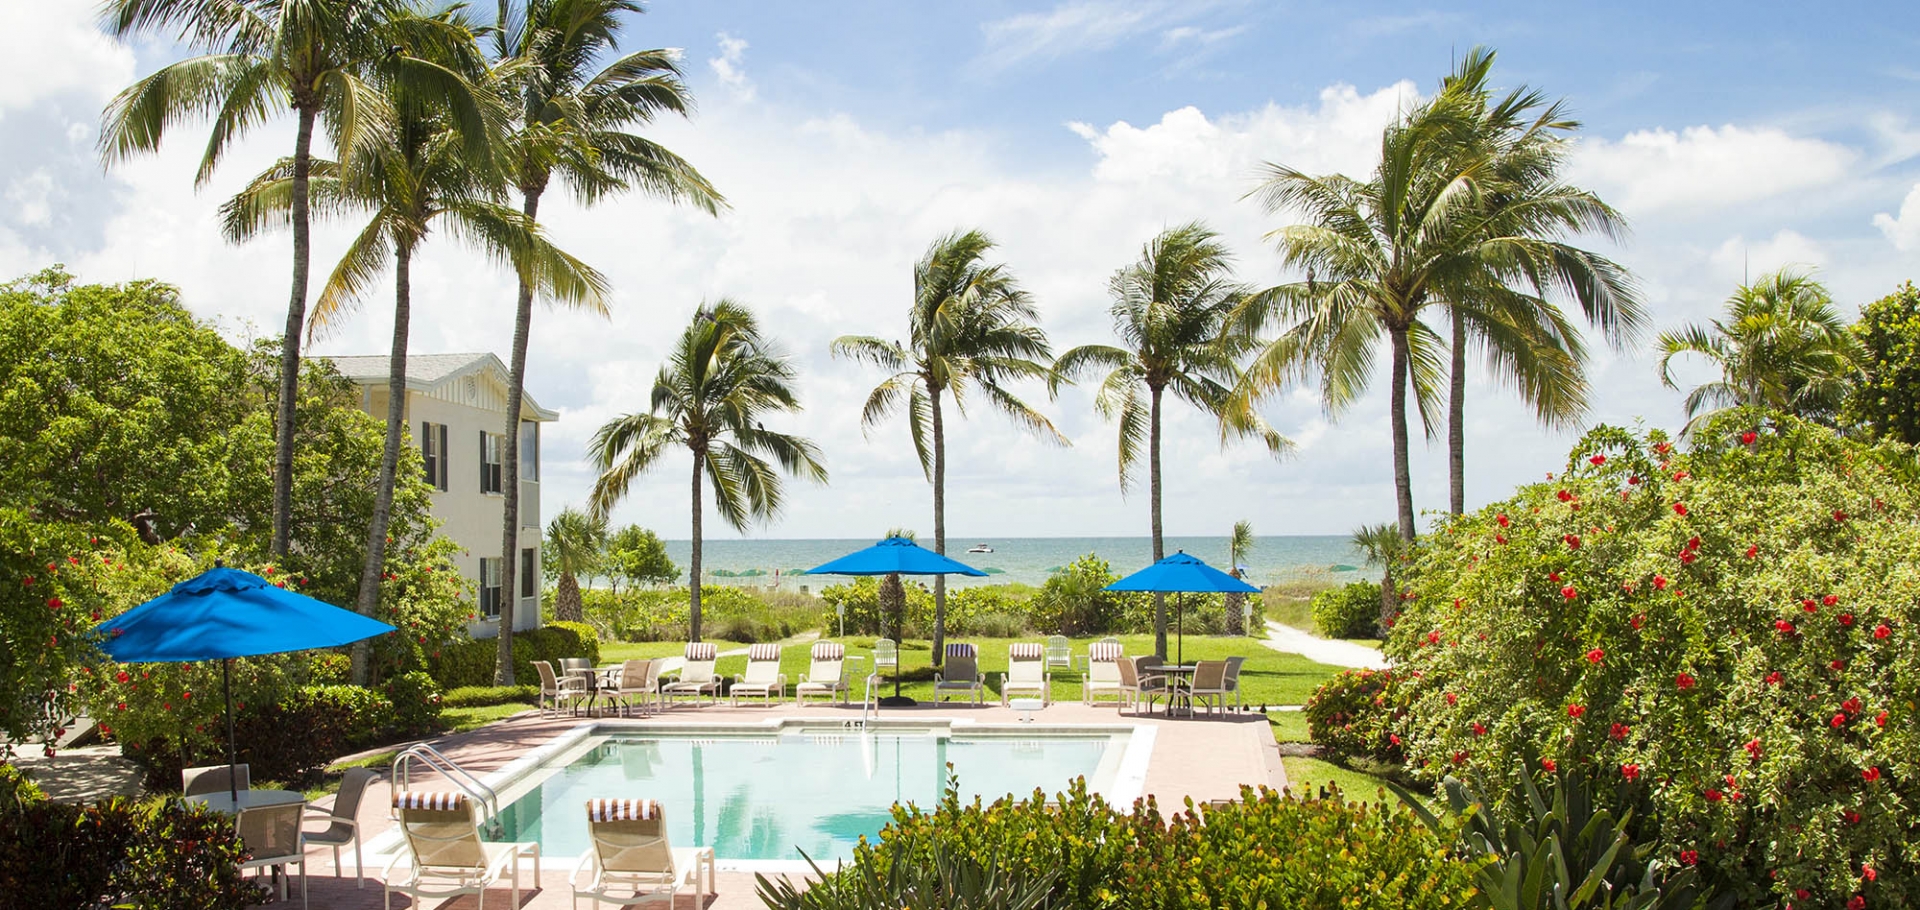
x=460, y=720
x=1305, y=777
x=1267, y=678
x=1289, y=726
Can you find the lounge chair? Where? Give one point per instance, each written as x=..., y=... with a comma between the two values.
x=444, y=853
x=271, y=836
x=826, y=673
x=1138, y=682
x=628, y=852
x=696, y=676
x=1059, y=652
x=1208, y=684
x=213, y=779
x=1103, y=671
x=343, y=826
x=637, y=682
x=1026, y=673
x=763, y=677
x=555, y=689
x=961, y=673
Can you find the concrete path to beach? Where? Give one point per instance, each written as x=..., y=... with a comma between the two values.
x=1326, y=651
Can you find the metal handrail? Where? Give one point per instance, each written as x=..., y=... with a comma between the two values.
x=460, y=777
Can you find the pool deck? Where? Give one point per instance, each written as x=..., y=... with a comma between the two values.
x=1201, y=758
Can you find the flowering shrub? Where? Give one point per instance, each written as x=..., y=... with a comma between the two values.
x=1353, y=715
x=1732, y=624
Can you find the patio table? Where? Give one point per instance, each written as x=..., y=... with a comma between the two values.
x=248, y=799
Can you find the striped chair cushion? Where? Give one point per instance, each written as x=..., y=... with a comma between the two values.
x=1026, y=650
x=1105, y=650
x=763, y=652
x=828, y=650
x=430, y=799
x=960, y=650
x=611, y=810
x=701, y=650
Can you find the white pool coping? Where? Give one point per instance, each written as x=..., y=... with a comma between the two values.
x=515, y=778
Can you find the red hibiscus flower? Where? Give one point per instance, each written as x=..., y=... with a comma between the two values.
x=1837, y=665
x=1499, y=538
x=1753, y=749
x=1680, y=508
x=1564, y=496
x=1452, y=699
x=1596, y=655
x=1634, y=480
x=1773, y=679
x=1630, y=771
x=1597, y=460
x=1572, y=541
x=1433, y=637
x=1881, y=631
x=1839, y=720
x=1575, y=710
x=1553, y=576
x=1830, y=599
x=1569, y=592
x=1839, y=515
x=1846, y=619
x=122, y=676
x=1753, y=551
x=1618, y=731
x=1659, y=582
x=1867, y=873
x=1689, y=857
x=1460, y=758
x=1856, y=902
x=1871, y=774
x=1479, y=729
x=1852, y=817
x=1663, y=447
x=1809, y=606
x=1714, y=795
x=55, y=603
x=1684, y=681
x=1688, y=556
x=1880, y=719
x=1639, y=619
x=1783, y=627
x=1503, y=520
x=1393, y=738
x=1549, y=765
x=1851, y=705
x=1747, y=438
x=27, y=582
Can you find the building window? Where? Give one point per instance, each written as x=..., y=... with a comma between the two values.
x=433, y=453
x=529, y=586
x=490, y=456
x=490, y=572
x=529, y=450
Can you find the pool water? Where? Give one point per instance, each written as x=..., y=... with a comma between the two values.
x=770, y=796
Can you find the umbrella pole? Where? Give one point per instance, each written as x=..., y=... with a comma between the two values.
x=1180, y=629
x=226, y=687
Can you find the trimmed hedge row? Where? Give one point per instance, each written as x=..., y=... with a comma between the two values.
x=470, y=663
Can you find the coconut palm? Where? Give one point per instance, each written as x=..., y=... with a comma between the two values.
x=312, y=58
x=570, y=122
x=1781, y=345
x=1429, y=229
x=418, y=171
x=721, y=380
x=1382, y=546
x=575, y=545
x=969, y=329
x=1239, y=548
x=1174, y=313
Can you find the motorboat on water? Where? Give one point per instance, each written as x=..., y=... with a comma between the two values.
x=979, y=548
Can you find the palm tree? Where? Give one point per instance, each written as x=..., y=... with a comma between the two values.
x=310, y=57
x=722, y=378
x=569, y=122
x=417, y=171
x=1429, y=228
x=969, y=328
x=1782, y=345
x=1174, y=313
x=1382, y=546
x=1239, y=547
x=575, y=544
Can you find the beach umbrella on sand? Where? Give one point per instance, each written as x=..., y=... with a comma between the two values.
x=1180, y=574
x=895, y=556
x=225, y=613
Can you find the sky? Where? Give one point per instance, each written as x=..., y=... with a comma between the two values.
x=1735, y=138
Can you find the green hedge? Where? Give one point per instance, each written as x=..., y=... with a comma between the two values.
x=1353, y=715
x=487, y=696
x=470, y=663
x=292, y=739
x=1349, y=611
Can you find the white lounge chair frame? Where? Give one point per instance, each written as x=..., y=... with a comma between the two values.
x=960, y=672
x=1103, y=671
x=696, y=676
x=762, y=678
x=628, y=850
x=1059, y=652
x=826, y=674
x=444, y=853
x=1026, y=672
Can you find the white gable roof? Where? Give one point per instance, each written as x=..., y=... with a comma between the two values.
x=440, y=375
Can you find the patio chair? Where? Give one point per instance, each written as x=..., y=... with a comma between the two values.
x=696, y=676
x=555, y=689
x=826, y=673
x=886, y=654
x=213, y=779
x=1232, y=684
x=637, y=681
x=575, y=664
x=630, y=860
x=344, y=823
x=961, y=673
x=1136, y=684
x=763, y=677
x=1059, y=652
x=1026, y=673
x=444, y=852
x=1103, y=671
x=1208, y=685
x=271, y=836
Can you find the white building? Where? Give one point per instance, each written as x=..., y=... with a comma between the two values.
x=454, y=411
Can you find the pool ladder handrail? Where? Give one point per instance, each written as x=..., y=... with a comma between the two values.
x=472, y=786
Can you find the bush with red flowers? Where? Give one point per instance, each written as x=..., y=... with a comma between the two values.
x=1760, y=659
x=1353, y=715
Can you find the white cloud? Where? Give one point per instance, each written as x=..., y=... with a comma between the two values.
x=1743, y=260
x=57, y=50
x=1702, y=167
x=1903, y=230
x=1188, y=35
x=728, y=67
x=1073, y=27
x=31, y=196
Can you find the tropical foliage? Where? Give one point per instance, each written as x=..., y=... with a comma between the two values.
x=638, y=556
x=1782, y=345
x=721, y=381
x=1885, y=400
x=575, y=545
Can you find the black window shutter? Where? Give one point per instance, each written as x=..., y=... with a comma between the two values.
x=441, y=481
x=483, y=461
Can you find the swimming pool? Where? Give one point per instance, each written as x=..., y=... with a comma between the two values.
x=773, y=792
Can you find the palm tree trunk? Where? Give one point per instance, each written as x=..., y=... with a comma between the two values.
x=370, y=573
x=1153, y=493
x=693, y=564
x=1457, y=421
x=290, y=343
x=510, y=469
x=1397, y=408
x=566, y=600
x=939, y=524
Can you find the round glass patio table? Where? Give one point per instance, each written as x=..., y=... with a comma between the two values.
x=1175, y=692
x=249, y=799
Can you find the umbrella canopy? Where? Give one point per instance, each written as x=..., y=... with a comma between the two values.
x=223, y=613
x=1181, y=572
x=894, y=555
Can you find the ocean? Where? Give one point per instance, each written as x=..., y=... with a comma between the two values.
x=1024, y=559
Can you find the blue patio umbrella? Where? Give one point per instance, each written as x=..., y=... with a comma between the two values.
x=225, y=613
x=895, y=556
x=1179, y=574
